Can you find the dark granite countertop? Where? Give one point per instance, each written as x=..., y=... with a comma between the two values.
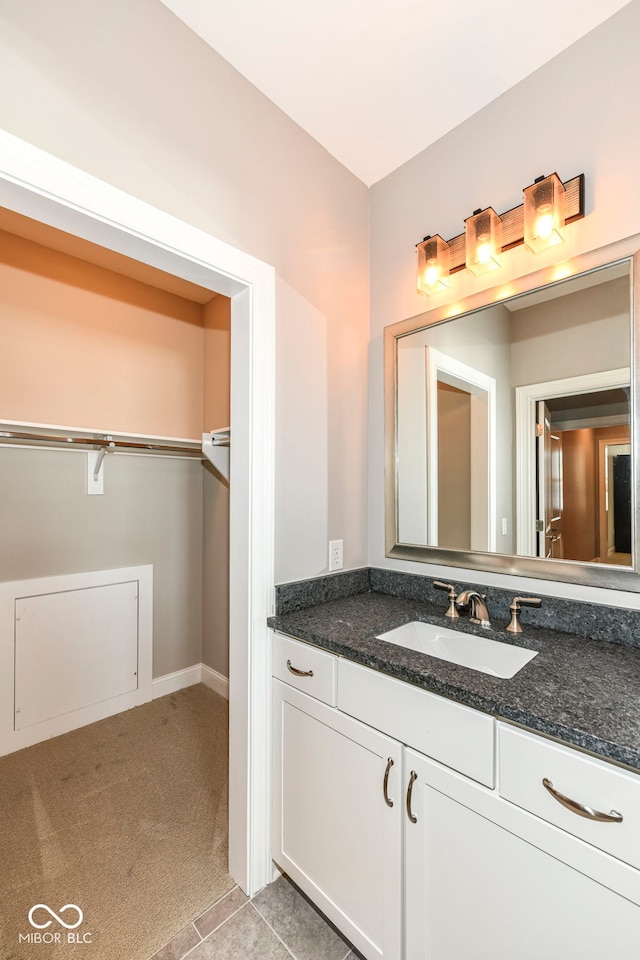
x=580, y=691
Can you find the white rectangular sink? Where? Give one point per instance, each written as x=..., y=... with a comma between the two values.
x=468, y=650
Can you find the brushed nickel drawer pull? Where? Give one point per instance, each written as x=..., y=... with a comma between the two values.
x=412, y=780
x=580, y=808
x=385, y=785
x=298, y=673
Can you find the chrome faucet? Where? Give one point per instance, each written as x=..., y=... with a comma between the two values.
x=475, y=603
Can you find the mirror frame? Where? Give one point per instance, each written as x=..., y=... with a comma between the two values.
x=567, y=571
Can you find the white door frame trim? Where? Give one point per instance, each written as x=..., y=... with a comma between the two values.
x=526, y=399
x=43, y=187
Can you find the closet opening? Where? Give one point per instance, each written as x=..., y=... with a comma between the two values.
x=142, y=235
x=114, y=573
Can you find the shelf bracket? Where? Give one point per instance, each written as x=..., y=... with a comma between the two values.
x=95, y=466
x=215, y=447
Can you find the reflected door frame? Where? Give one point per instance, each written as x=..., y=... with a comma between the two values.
x=526, y=401
x=549, y=495
x=614, y=440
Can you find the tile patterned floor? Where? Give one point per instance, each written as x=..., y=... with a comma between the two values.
x=277, y=924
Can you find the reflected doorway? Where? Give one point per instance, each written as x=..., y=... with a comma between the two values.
x=583, y=466
x=461, y=444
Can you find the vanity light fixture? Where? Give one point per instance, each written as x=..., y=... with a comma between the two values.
x=549, y=204
x=483, y=241
x=544, y=213
x=433, y=265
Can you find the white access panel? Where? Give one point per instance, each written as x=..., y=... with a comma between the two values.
x=73, y=649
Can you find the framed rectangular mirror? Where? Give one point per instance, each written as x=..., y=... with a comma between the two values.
x=511, y=426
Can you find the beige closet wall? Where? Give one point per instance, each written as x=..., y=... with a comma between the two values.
x=83, y=346
x=215, y=545
x=216, y=316
x=127, y=92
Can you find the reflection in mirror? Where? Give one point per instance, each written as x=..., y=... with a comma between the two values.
x=513, y=425
x=576, y=482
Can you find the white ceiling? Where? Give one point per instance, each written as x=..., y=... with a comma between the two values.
x=375, y=81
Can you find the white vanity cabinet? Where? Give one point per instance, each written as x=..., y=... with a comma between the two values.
x=476, y=858
x=337, y=825
x=487, y=880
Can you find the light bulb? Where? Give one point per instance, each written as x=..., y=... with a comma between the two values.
x=483, y=241
x=431, y=274
x=543, y=215
x=544, y=222
x=433, y=265
x=484, y=250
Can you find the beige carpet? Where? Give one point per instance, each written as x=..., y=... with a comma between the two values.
x=127, y=818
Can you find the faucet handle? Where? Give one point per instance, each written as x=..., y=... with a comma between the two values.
x=514, y=608
x=452, y=610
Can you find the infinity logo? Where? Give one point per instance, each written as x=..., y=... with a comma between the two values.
x=47, y=923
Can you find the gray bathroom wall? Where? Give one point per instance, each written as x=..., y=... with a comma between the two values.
x=545, y=343
x=151, y=512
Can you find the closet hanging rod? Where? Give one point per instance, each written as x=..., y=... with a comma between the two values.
x=101, y=442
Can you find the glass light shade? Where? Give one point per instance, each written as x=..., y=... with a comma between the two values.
x=483, y=241
x=544, y=213
x=433, y=265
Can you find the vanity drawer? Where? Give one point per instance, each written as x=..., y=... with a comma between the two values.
x=454, y=735
x=525, y=760
x=304, y=667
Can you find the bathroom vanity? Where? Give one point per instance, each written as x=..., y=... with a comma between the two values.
x=432, y=811
x=416, y=803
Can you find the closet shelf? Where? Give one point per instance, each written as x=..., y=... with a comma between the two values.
x=106, y=442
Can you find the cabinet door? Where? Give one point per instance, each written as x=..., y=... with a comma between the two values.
x=334, y=833
x=476, y=889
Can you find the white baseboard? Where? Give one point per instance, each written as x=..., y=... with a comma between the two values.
x=198, y=673
x=175, y=681
x=216, y=681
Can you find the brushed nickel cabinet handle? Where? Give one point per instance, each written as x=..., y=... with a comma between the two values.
x=385, y=785
x=580, y=808
x=298, y=673
x=412, y=780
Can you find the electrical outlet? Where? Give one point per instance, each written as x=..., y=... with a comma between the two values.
x=335, y=554
x=505, y=526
